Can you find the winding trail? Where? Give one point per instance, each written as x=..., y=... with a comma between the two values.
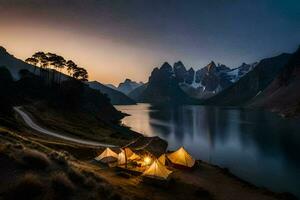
x=38, y=128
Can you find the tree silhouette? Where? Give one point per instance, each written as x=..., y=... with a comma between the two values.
x=80, y=74
x=71, y=66
x=32, y=61
x=42, y=60
x=57, y=62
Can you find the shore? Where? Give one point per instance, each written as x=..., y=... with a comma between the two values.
x=205, y=182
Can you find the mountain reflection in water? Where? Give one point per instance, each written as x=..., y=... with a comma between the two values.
x=257, y=146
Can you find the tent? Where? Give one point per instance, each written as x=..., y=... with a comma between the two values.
x=162, y=159
x=128, y=152
x=107, y=156
x=131, y=155
x=157, y=170
x=134, y=157
x=121, y=158
x=181, y=157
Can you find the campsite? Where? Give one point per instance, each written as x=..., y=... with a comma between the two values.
x=146, y=164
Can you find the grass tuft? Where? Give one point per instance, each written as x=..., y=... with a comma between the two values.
x=28, y=187
x=59, y=158
x=35, y=159
x=62, y=185
x=76, y=176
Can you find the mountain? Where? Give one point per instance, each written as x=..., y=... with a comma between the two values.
x=252, y=83
x=137, y=92
x=116, y=97
x=162, y=88
x=70, y=94
x=209, y=80
x=13, y=64
x=205, y=82
x=111, y=86
x=128, y=85
x=200, y=84
x=283, y=95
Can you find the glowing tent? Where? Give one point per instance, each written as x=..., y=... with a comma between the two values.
x=107, y=156
x=121, y=158
x=134, y=157
x=157, y=170
x=181, y=157
x=162, y=159
x=131, y=155
x=128, y=152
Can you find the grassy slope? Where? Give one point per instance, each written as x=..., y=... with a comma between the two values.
x=31, y=170
x=29, y=166
x=80, y=124
x=31, y=162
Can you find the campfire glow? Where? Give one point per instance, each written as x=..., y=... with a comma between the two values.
x=147, y=160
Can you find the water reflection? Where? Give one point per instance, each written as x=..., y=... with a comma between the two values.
x=257, y=146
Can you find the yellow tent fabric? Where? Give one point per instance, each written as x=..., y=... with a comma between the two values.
x=162, y=159
x=107, y=153
x=121, y=158
x=181, y=157
x=128, y=152
x=134, y=157
x=157, y=170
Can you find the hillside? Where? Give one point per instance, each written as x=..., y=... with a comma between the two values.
x=282, y=95
x=13, y=64
x=116, y=97
x=137, y=92
x=251, y=84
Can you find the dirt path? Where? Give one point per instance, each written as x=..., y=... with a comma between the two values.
x=27, y=119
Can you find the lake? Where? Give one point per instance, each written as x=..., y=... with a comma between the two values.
x=257, y=146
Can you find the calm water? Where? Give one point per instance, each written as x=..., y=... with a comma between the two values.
x=257, y=146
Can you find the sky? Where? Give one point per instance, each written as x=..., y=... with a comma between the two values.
x=118, y=39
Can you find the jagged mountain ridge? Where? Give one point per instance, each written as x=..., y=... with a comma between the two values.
x=202, y=83
x=128, y=85
x=162, y=88
x=251, y=84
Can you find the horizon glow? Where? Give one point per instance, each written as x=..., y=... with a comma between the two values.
x=115, y=40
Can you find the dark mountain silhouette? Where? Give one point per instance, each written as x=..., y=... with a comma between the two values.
x=137, y=92
x=252, y=83
x=128, y=86
x=111, y=86
x=162, y=88
x=70, y=94
x=200, y=84
x=116, y=97
x=13, y=64
x=283, y=95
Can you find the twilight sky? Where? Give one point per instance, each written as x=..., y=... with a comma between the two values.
x=118, y=39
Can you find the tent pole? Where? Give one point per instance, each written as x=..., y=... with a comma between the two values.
x=125, y=158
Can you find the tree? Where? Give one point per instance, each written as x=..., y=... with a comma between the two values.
x=32, y=61
x=71, y=67
x=42, y=60
x=57, y=62
x=80, y=74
